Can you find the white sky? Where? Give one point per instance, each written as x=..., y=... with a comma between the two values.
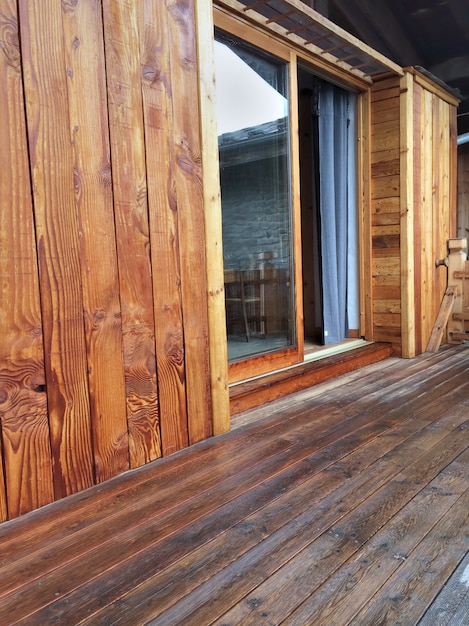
x=244, y=98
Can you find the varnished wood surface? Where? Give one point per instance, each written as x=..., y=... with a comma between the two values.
x=104, y=356
x=346, y=503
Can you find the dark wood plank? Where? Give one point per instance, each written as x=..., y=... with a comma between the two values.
x=351, y=397
x=285, y=588
x=342, y=596
x=25, y=457
x=327, y=493
x=412, y=588
x=306, y=506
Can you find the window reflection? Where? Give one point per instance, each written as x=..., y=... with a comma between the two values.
x=252, y=109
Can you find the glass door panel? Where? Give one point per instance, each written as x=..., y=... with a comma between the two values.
x=254, y=149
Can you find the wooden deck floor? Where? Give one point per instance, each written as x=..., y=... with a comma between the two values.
x=344, y=504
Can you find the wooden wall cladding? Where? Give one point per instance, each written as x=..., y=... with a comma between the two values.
x=385, y=212
x=413, y=183
x=434, y=204
x=104, y=360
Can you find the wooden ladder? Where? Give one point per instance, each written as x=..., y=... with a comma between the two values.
x=453, y=316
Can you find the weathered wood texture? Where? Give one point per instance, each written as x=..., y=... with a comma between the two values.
x=385, y=212
x=103, y=315
x=413, y=178
x=346, y=503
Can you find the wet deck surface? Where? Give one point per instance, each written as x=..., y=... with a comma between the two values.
x=347, y=503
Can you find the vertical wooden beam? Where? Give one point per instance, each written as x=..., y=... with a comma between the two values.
x=127, y=139
x=364, y=222
x=188, y=179
x=84, y=59
x=427, y=261
x=296, y=206
x=164, y=226
x=438, y=210
x=457, y=259
x=417, y=221
x=58, y=235
x=212, y=220
x=407, y=215
x=25, y=453
x=453, y=183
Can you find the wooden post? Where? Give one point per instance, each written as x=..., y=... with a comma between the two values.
x=457, y=263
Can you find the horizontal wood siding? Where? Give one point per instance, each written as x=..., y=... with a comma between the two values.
x=104, y=359
x=385, y=212
x=413, y=182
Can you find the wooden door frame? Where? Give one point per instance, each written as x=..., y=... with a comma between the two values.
x=252, y=34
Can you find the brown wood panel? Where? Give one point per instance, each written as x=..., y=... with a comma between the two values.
x=438, y=171
x=385, y=205
x=385, y=94
x=188, y=175
x=126, y=129
x=385, y=187
x=58, y=238
x=25, y=454
x=84, y=58
x=386, y=111
x=164, y=232
x=386, y=167
x=417, y=185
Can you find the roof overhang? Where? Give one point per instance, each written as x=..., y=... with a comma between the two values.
x=308, y=29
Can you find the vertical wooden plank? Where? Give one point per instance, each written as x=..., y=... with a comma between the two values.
x=426, y=261
x=443, y=192
x=25, y=453
x=58, y=235
x=132, y=229
x=417, y=174
x=437, y=208
x=188, y=173
x=213, y=222
x=164, y=231
x=407, y=215
x=364, y=223
x=84, y=56
x=296, y=205
x=453, y=191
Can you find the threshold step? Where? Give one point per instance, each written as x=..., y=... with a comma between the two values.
x=252, y=393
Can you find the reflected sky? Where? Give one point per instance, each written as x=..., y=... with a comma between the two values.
x=244, y=99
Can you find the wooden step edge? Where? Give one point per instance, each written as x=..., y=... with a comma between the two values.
x=244, y=396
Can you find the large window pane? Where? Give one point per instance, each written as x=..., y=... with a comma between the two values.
x=253, y=126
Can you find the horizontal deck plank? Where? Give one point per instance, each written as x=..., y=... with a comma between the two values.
x=307, y=511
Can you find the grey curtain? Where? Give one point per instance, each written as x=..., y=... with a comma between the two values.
x=335, y=198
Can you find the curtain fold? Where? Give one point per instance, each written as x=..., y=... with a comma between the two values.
x=333, y=208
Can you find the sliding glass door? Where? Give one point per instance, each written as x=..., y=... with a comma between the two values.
x=254, y=150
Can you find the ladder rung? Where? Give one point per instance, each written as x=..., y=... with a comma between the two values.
x=459, y=336
x=461, y=317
